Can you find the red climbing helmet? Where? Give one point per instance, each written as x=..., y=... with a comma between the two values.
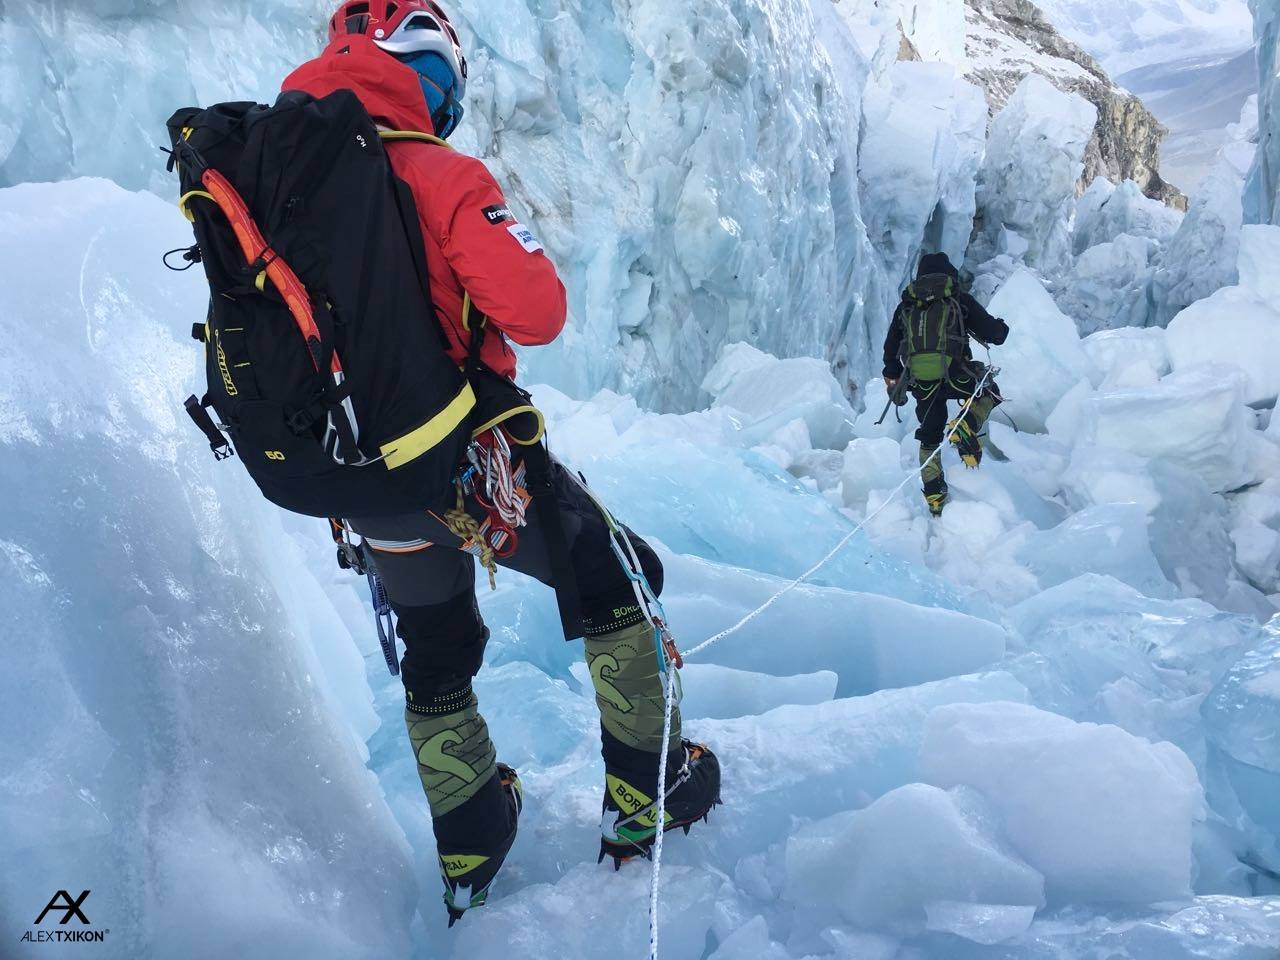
x=403, y=28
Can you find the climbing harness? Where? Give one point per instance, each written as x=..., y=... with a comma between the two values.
x=746, y=619
x=506, y=415
x=488, y=477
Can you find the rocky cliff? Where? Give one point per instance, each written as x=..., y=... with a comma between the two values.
x=1007, y=39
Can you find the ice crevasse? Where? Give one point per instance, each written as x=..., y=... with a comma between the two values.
x=994, y=772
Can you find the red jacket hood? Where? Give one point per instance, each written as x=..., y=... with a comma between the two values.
x=389, y=90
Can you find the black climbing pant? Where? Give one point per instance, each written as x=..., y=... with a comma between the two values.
x=931, y=411
x=431, y=582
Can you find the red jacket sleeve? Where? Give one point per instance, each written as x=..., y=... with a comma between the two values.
x=498, y=260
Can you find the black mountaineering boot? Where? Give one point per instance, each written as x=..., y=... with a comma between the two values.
x=475, y=801
x=936, y=496
x=468, y=870
x=628, y=676
x=629, y=818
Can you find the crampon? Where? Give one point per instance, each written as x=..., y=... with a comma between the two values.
x=629, y=818
x=936, y=502
x=967, y=443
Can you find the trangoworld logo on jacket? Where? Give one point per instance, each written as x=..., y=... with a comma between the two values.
x=498, y=213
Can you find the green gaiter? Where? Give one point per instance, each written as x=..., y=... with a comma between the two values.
x=930, y=470
x=629, y=687
x=451, y=742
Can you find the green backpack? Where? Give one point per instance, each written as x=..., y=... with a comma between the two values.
x=933, y=328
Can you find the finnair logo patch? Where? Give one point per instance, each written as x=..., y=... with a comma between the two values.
x=524, y=236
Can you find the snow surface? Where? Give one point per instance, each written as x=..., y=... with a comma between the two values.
x=1245, y=319
x=925, y=765
x=1102, y=814
x=1043, y=357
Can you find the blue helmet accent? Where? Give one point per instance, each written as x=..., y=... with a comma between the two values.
x=440, y=90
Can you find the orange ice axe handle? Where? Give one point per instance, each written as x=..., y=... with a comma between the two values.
x=255, y=249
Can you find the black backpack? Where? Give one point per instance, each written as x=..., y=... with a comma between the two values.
x=933, y=336
x=326, y=363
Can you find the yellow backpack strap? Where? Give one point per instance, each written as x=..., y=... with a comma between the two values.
x=395, y=135
x=466, y=313
x=524, y=423
x=537, y=426
x=187, y=197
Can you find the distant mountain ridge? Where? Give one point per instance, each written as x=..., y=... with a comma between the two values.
x=1127, y=35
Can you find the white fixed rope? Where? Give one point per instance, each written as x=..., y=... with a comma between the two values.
x=723, y=634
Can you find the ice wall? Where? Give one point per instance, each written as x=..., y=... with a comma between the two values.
x=85, y=88
x=183, y=710
x=696, y=170
x=1201, y=256
x=919, y=167
x=1262, y=198
x=1027, y=184
x=935, y=28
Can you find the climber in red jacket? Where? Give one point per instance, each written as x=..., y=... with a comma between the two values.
x=475, y=245
x=403, y=59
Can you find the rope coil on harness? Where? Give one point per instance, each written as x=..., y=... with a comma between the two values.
x=746, y=619
x=466, y=528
